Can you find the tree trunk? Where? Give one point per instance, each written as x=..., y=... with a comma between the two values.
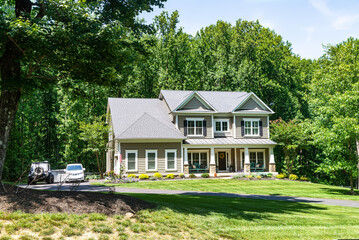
x=9, y=102
x=99, y=165
x=351, y=184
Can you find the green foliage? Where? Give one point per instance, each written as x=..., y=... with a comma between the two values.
x=259, y=177
x=181, y=175
x=303, y=178
x=205, y=175
x=270, y=175
x=281, y=176
x=157, y=175
x=293, y=177
x=192, y=175
x=170, y=176
x=143, y=176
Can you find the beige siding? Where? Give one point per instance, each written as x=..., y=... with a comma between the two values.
x=194, y=104
x=239, y=130
x=160, y=147
x=250, y=105
x=224, y=134
x=208, y=124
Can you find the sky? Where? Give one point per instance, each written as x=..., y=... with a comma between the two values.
x=306, y=24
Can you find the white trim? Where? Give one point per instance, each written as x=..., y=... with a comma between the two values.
x=235, y=160
x=136, y=160
x=199, y=151
x=139, y=140
x=268, y=126
x=212, y=126
x=195, y=127
x=229, y=146
x=175, y=159
x=155, y=152
x=253, y=150
x=185, y=156
x=271, y=156
x=221, y=120
x=251, y=121
x=234, y=127
x=177, y=121
x=182, y=159
x=256, y=99
x=199, y=98
x=228, y=157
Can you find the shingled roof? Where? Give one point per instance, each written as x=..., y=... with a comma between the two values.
x=135, y=118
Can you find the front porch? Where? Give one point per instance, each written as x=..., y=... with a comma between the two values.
x=229, y=160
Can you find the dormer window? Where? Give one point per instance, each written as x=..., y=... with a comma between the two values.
x=222, y=125
x=251, y=127
x=195, y=127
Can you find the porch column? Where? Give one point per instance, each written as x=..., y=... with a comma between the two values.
x=247, y=164
x=271, y=160
x=185, y=161
x=235, y=160
x=212, y=163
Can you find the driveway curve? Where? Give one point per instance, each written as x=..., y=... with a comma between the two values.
x=85, y=186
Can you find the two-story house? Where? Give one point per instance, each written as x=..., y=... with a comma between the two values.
x=190, y=132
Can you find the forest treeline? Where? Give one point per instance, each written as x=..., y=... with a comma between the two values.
x=315, y=101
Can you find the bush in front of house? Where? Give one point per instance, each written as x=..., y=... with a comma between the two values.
x=170, y=176
x=236, y=176
x=270, y=175
x=131, y=176
x=143, y=176
x=205, y=175
x=250, y=177
x=259, y=177
x=192, y=175
x=303, y=178
x=158, y=175
x=280, y=176
x=181, y=175
x=293, y=177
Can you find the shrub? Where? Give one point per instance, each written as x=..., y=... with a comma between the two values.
x=280, y=176
x=192, y=175
x=143, y=176
x=259, y=177
x=158, y=175
x=131, y=176
x=249, y=177
x=170, y=176
x=205, y=175
x=303, y=178
x=153, y=178
x=293, y=177
x=181, y=175
x=270, y=175
x=263, y=175
x=237, y=176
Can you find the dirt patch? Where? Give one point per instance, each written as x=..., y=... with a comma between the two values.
x=35, y=201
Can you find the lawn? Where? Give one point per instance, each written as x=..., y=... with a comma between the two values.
x=197, y=217
x=265, y=187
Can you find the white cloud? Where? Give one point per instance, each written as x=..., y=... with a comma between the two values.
x=344, y=22
x=339, y=20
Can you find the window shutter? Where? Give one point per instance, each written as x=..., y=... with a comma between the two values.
x=185, y=127
x=242, y=128
x=261, y=128
x=204, y=128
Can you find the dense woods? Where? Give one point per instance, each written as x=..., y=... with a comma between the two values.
x=316, y=101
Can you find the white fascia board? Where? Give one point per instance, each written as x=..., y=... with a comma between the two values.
x=256, y=99
x=223, y=146
x=158, y=140
x=199, y=97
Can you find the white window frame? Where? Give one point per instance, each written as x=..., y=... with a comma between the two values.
x=136, y=160
x=221, y=121
x=190, y=161
x=255, y=151
x=156, y=159
x=251, y=120
x=175, y=159
x=195, y=127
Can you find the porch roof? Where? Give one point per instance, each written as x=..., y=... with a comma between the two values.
x=229, y=141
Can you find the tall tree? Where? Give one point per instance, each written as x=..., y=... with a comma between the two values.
x=335, y=109
x=44, y=42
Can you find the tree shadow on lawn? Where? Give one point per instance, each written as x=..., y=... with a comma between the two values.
x=230, y=207
x=340, y=191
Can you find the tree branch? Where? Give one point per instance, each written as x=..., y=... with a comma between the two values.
x=17, y=45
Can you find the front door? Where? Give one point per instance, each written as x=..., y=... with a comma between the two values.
x=222, y=159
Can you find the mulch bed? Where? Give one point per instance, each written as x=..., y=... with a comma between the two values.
x=35, y=201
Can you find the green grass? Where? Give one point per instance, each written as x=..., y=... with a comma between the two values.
x=198, y=217
x=264, y=187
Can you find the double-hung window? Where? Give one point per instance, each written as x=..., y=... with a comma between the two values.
x=222, y=125
x=194, y=127
x=171, y=159
x=251, y=127
x=131, y=157
x=151, y=160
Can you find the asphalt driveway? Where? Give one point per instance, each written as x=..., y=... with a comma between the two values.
x=85, y=186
